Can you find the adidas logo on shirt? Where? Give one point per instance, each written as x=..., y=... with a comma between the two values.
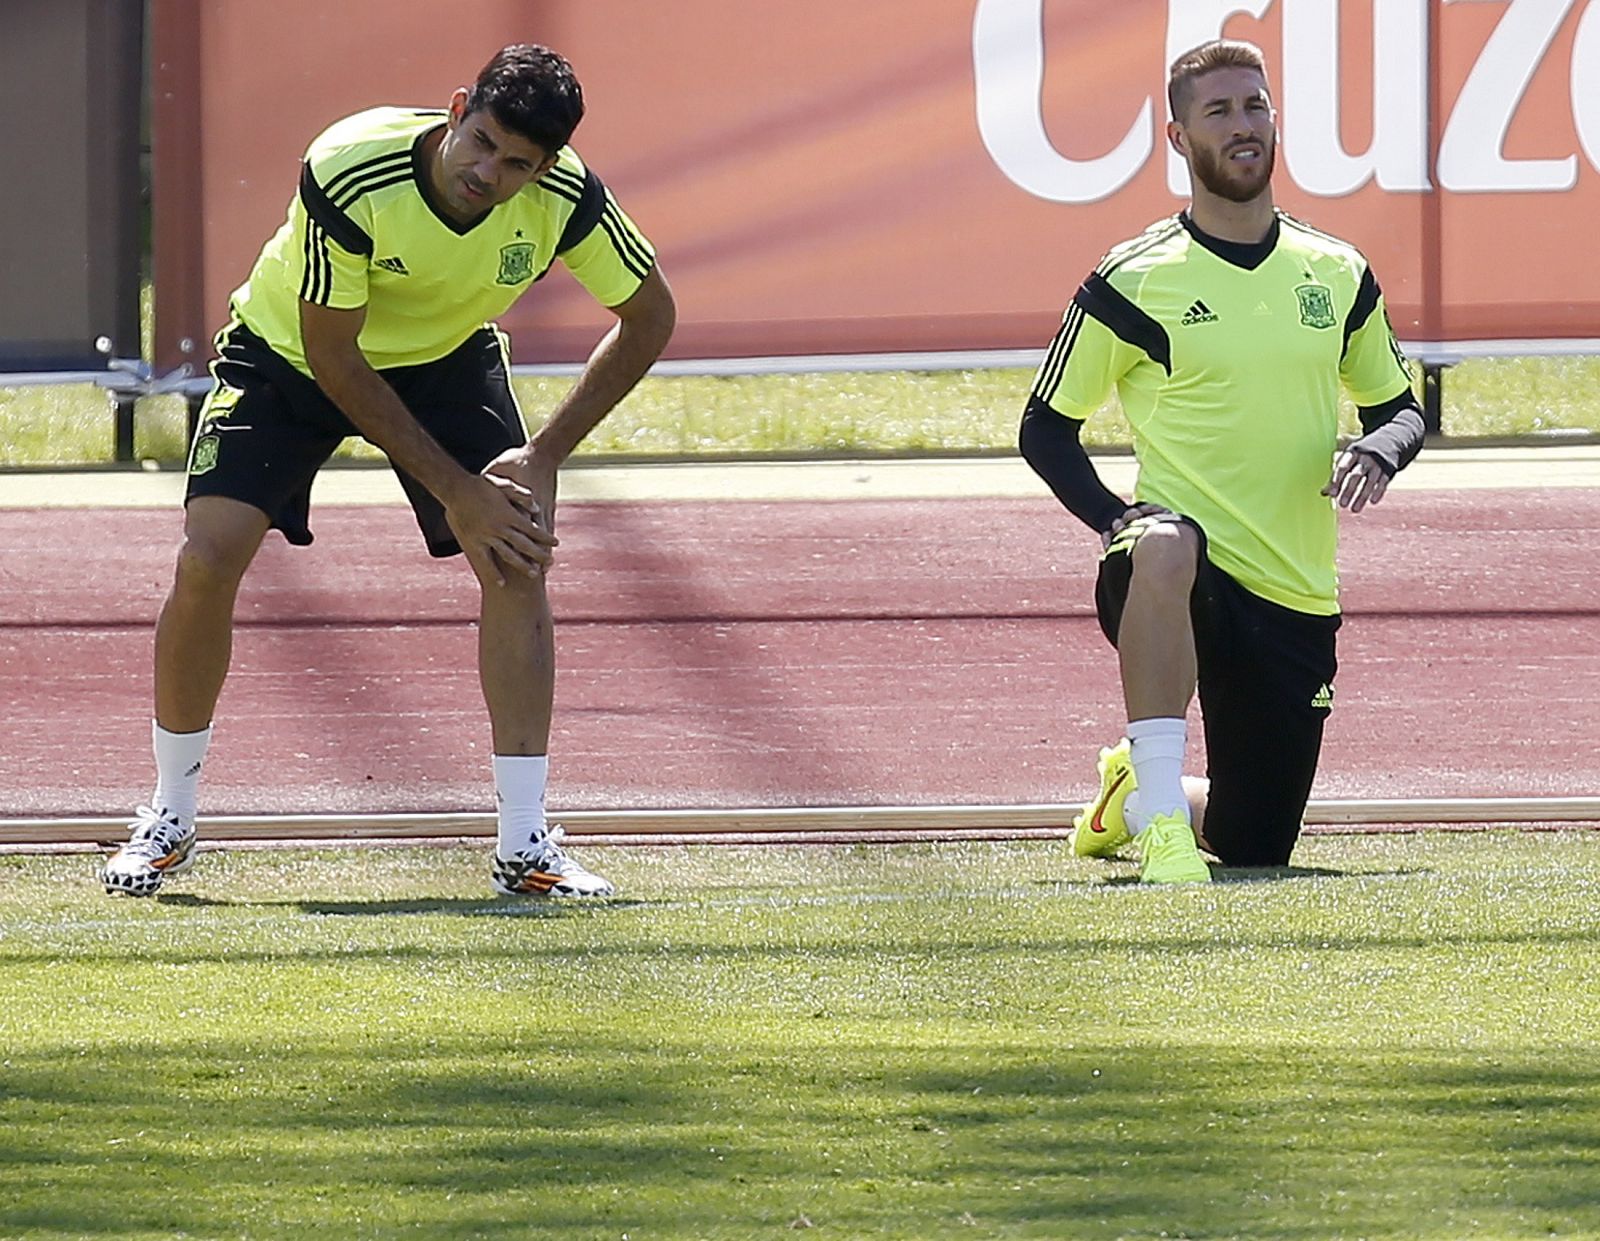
x=1198, y=313
x=395, y=264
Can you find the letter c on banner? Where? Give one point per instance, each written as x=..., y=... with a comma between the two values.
x=1586, y=83
x=1008, y=71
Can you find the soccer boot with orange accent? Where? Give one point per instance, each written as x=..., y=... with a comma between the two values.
x=1101, y=829
x=546, y=869
x=160, y=845
x=1168, y=853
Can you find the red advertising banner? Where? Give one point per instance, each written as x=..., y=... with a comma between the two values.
x=926, y=175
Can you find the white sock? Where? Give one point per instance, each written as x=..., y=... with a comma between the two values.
x=179, y=757
x=1157, y=752
x=519, y=781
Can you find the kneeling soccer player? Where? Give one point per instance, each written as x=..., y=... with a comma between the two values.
x=1227, y=331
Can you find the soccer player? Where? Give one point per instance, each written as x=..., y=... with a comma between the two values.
x=370, y=313
x=1227, y=331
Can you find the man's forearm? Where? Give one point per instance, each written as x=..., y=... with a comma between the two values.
x=1050, y=444
x=1392, y=432
x=618, y=362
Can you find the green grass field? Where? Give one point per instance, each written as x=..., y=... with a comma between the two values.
x=799, y=415
x=1397, y=1039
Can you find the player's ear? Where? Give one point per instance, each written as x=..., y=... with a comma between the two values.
x=458, y=106
x=1178, y=139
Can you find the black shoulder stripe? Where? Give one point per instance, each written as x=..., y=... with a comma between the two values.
x=377, y=163
x=373, y=179
x=1054, y=365
x=329, y=218
x=565, y=179
x=591, y=200
x=1312, y=232
x=635, y=256
x=1361, y=309
x=1125, y=320
x=307, y=251
x=632, y=262
x=560, y=190
x=317, y=280
x=377, y=183
x=1152, y=237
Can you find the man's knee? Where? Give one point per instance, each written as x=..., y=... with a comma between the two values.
x=219, y=542
x=1167, y=555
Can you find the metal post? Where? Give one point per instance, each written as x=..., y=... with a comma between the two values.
x=124, y=403
x=1433, y=398
x=195, y=405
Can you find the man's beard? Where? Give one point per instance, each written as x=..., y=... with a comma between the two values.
x=1238, y=184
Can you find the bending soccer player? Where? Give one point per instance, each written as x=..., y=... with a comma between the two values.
x=370, y=313
x=1227, y=331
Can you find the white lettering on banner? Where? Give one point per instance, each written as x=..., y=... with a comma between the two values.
x=1189, y=24
x=1470, y=156
x=1009, y=63
x=1586, y=83
x=1008, y=68
x=1313, y=152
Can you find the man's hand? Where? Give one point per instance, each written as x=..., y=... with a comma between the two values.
x=1130, y=515
x=499, y=521
x=1359, y=479
x=529, y=471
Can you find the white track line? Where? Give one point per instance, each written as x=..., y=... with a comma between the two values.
x=866, y=824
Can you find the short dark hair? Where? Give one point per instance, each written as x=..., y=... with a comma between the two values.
x=1217, y=54
x=531, y=91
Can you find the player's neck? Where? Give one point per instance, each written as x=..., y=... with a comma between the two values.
x=432, y=152
x=1226, y=220
x=432, y=165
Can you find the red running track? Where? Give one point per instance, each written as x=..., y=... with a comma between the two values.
x=775, y=654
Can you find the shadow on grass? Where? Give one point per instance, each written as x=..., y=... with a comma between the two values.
x=688, y=1131
x=466, y=906
x=1275, y=874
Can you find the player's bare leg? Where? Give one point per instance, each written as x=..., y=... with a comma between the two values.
x=517, y=662
x=1155, y=643
x=1156, y=639
x=516, y=665
x=194, y=635
x=194, y=641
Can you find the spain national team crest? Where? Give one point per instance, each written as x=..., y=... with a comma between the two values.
x=516, y=263
x=203, y=457
x=1316, y=305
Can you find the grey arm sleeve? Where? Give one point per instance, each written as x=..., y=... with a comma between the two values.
x=1392, y=433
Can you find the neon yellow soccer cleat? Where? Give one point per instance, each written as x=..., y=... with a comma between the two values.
x=1101, y=830
x=1168, y=853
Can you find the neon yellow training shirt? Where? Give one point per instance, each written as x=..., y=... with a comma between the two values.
x=1229, y=375
x=362, y=231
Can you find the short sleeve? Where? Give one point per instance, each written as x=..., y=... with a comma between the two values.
x=612, y=258
x=1373, y=369
x=1100, y=340
x=333, y=245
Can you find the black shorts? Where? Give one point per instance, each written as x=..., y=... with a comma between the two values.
x=266, y=429
x=1266, y=687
